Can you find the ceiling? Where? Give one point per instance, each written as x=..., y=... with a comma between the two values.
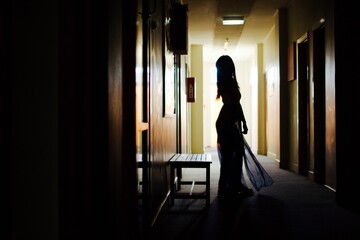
x=205, y=28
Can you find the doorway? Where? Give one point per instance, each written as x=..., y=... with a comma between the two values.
x=319, y=103
x=304, y=107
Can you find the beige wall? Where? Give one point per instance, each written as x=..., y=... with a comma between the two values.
x=261, y=96
x=271, y=71
x=247, y=78
x=211, y=104
x=197, y=137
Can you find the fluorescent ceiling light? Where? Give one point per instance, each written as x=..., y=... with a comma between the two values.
x=233, y=21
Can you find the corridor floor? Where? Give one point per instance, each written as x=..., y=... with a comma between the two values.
x=292, y=208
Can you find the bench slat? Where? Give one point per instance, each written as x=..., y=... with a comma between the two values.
x=184, y=157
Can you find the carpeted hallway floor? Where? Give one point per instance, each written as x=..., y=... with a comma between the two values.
x=292, y=208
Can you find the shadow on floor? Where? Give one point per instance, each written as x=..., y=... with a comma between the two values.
x=292, y=208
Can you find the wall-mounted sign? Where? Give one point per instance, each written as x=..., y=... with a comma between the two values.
x=190, y=89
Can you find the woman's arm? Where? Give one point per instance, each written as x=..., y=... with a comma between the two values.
x=242, y=118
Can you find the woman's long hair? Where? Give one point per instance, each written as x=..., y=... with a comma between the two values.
x=226, y=76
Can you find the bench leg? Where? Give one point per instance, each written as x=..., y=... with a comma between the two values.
x=172, y=185
x=207, y=185
x=179, y=177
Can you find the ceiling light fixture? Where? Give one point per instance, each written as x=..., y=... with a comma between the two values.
x=233, y=20
x=226, y=43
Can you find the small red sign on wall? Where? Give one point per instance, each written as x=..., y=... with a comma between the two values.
x=190, y=89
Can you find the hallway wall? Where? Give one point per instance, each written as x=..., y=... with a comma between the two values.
x=34, y=203
x=345, y=66
x=303, y=17
x=68, y=177
x=162, y=126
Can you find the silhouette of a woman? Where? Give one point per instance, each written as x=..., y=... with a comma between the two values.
x=230, y=125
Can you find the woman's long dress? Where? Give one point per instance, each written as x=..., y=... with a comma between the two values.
x=233, y=150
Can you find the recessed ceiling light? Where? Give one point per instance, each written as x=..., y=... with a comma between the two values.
x=233, y=20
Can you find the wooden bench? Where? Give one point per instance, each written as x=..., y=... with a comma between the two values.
x=180, y=161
